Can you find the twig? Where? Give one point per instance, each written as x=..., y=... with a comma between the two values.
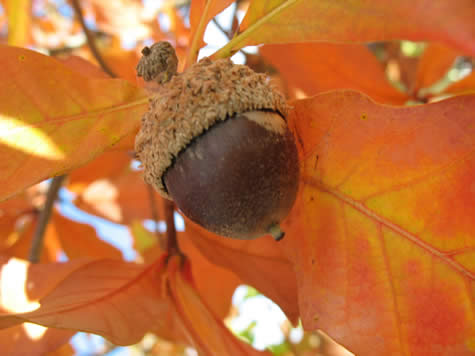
x=172, y=242
x=221, y=28
x=45, y=214
x=90, y=39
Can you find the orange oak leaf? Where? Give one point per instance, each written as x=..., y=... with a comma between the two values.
x=122, y=199
x=434, y=64
x=319, y=67
x=216, y=285
x=18, y=243
x=54, y=119
x=80, y=240
x=118, y=300
x=201, y=12
x=207, y=333
x=382, y=236
x=287, y=21
x=84, y=67
x=463, y=86
x=259, y=263
x=19, y=21
x=32, y=339
x=107, y=165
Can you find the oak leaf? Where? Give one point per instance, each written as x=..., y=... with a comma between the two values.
x=54, y=119
x=382, y=236
x=287, y=21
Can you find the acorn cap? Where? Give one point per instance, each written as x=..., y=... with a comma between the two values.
x=191, y=103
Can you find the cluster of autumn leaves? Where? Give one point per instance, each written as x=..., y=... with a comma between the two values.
x=379, y=251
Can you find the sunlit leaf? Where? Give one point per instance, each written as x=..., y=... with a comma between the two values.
x=53, y=119
x=19, y=18
x=201, y=12
x=32, y=339
x=286, y=21
x=118, y=300
x=319, y=67
x=382, y=236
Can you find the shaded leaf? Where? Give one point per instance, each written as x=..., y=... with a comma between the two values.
x=123, y=198
x=81, y=240
x=434, y=65
x=54, y=119
x=121, y=301
x=463, y=86
x=216, y=285
x=209, y=335
x=382, y=236
x=259, y=263
x=286, y=21
x=107, y=165
x=32, y=339
x=18, y=243
x=319, y=67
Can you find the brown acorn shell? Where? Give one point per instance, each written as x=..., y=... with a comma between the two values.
x=191, y=103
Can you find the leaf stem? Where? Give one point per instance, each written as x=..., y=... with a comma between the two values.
x=45, y=215
x=237, y=42
x=198, y=35
x=90, y=39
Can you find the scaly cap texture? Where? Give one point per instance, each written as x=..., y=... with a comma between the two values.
x=192, y=102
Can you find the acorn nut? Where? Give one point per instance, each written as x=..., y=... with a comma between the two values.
x=215, y=140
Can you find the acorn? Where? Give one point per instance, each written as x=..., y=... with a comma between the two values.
x=215, y=140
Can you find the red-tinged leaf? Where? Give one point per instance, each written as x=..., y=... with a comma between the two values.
x=207, y=333
x=464, y=86
x=32, y=339
x=121, y=199
x=54, y=119
x=81, y=240
x=434, y=65
x=108, y=165
x=259, y=263
x=319, y=67
x=19, y=19
x=287, y=21
x=382, y=236
x=118, y=300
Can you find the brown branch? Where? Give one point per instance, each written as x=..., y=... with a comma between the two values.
x=45, y=215
x=153, y=208
x=172, y=242
x=90, y=39
x=221, y=28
